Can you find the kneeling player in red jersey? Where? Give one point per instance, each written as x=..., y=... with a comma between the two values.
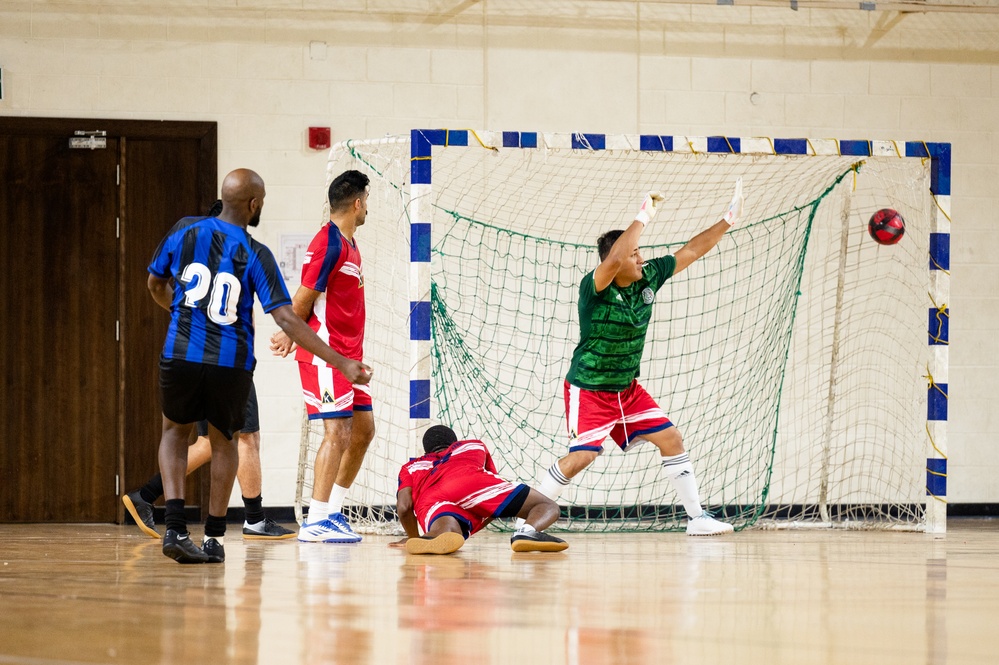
x=453, y=491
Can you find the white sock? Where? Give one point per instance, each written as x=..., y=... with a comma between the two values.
x=552, y=485
x=526, y=528
x=681, y=473
x=220, y=539
x=337, y=495
x=318, y=511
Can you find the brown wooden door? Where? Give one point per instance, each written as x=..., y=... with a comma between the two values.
x=58, y=312
x=79, y=411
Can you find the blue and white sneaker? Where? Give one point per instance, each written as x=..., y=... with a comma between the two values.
x=341, y=522
x=327, y=531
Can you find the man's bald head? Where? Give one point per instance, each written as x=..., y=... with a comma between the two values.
x=242, y=197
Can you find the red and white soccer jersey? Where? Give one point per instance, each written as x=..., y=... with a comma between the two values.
x=332, y=266
x=459, y=481
x=626, y=416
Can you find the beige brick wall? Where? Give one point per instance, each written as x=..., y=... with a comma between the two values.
x=265, y=70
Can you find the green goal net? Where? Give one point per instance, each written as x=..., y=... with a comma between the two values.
x=792, y=357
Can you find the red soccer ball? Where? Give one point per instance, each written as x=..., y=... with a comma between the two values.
x=886, y=226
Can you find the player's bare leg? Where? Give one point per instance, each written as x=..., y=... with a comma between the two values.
x=225, y=464
x=173, y=466
x=444, y=537
x=139, y=503
x=539, y=512
x=554, y=482
x=198, y=454
x=575, y=462
x=256, y=526
x=336, y=440
x=248, y=474
x=564, y=470
x=172, y=457
x=361, y=434
x=362, y=431
x=324, y=523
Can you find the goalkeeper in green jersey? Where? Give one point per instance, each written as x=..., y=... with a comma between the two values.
x=602, y=393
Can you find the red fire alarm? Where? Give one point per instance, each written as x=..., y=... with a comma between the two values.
x=319, y=138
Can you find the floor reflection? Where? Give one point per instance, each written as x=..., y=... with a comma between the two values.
x=102, y=595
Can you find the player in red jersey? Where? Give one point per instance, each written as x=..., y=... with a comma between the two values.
x=453, y=491
x=331, y=301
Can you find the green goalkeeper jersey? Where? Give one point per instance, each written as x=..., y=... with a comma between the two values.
x=612, y=327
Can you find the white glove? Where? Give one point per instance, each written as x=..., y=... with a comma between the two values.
x=650, y=206
x=734, y=211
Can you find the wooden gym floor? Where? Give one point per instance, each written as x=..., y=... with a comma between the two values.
x=105, y=594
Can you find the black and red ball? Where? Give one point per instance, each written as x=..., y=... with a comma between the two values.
x=886, y=226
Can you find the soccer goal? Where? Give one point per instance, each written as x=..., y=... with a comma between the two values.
x=804, y=363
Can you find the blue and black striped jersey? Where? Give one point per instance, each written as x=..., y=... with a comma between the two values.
x=216, y=268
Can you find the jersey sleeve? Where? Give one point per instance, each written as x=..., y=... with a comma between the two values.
x=163, y=256
x=268, y=282
x=659, y=269
x=405, y=479
x=587, y=289
x=321, y=259
x=160, y=265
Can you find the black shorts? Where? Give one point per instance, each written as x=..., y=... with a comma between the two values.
x=251, y=417
x=190, y=392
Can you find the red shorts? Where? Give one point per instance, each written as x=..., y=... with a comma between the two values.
x=328, y=393
x=627, y=416
x=483, y=495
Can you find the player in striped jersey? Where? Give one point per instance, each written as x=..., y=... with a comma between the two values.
x=602, y=393
x=453, y=491
x=139, y=503
x=205, y=272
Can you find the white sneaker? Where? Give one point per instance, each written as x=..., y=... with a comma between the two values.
x=326, y=531
x=705, y=525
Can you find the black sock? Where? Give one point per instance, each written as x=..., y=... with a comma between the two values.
x=152, y=490
x=175, y=520
x=254, y=509
x=214, y=526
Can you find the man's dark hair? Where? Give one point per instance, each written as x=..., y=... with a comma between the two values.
x=345, y=188
x=438, y=437
x=606, y=241
x=216, y=208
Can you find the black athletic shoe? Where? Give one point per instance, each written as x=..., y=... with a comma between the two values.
x=141, y=512
x=180, y=548
x=536, y=541
x=214, y=550
x=266, y=530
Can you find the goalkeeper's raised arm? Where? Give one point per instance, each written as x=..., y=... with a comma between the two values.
x=624, y=250
x=702, y=243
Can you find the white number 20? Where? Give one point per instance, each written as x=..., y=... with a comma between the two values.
x=225, y=290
